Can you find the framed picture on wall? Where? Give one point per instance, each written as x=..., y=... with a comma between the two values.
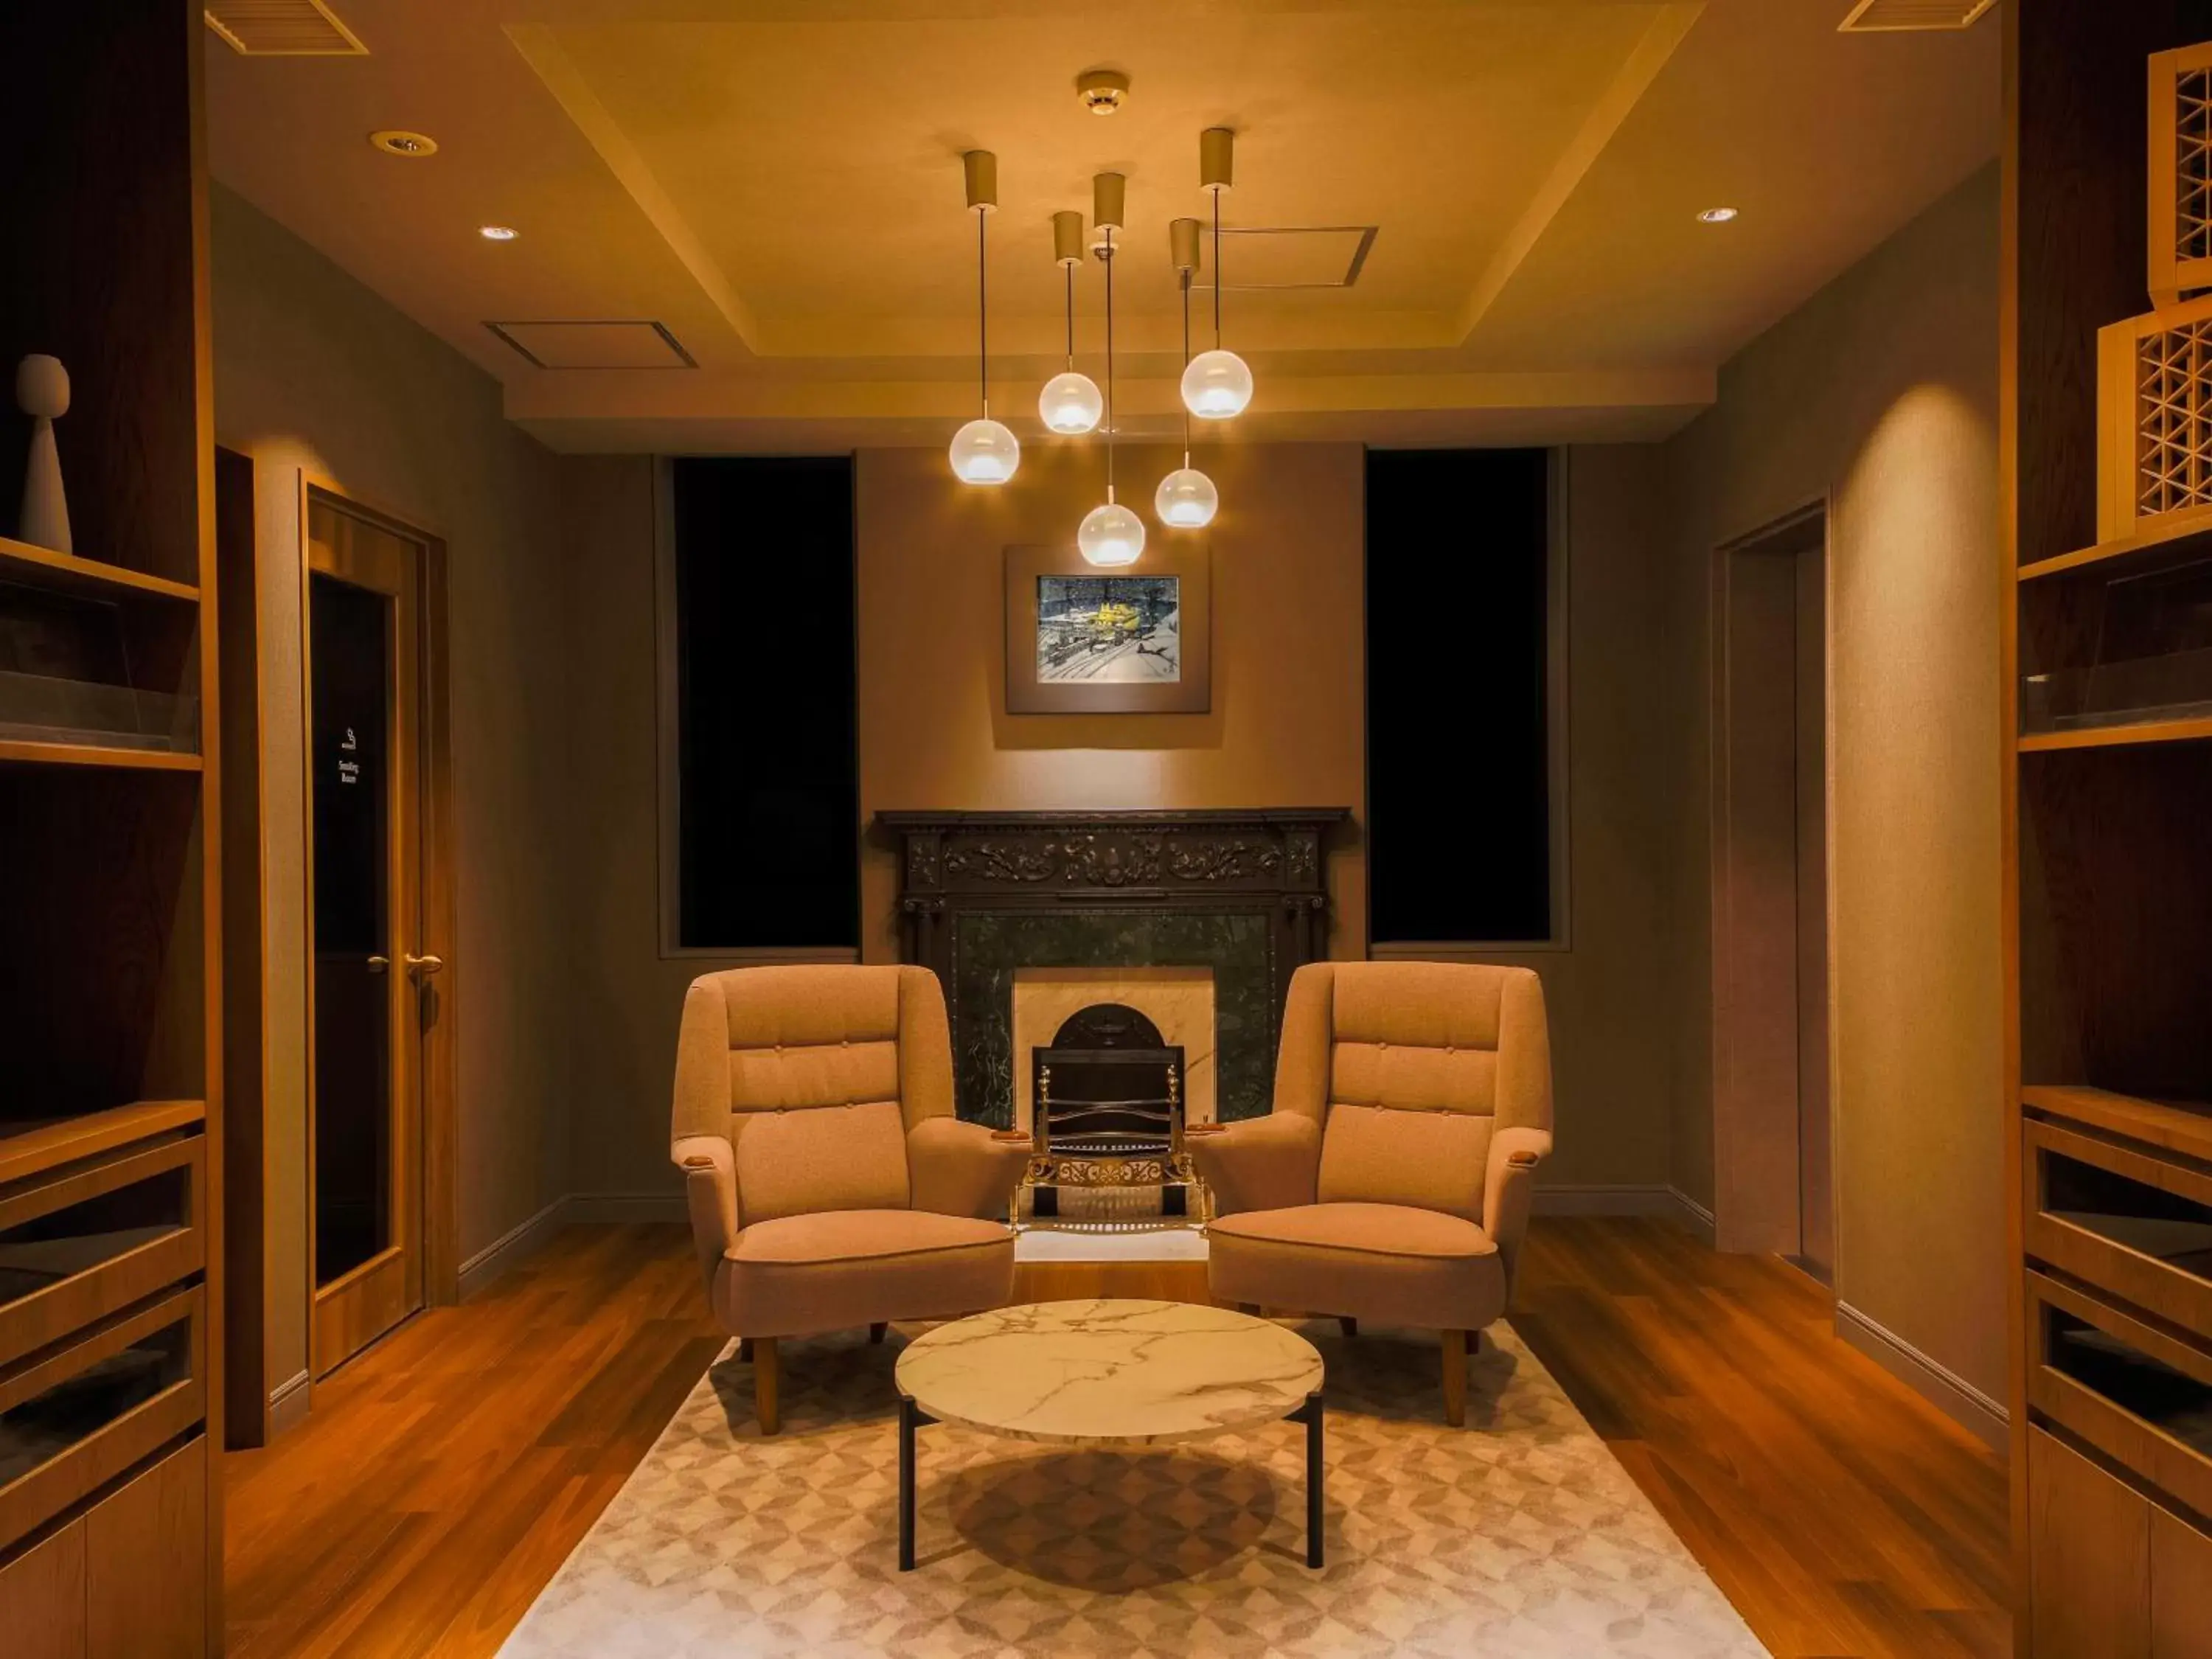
x=1084, y=640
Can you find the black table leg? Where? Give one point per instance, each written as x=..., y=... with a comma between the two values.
x=1310, y=1415
x=911, y=1417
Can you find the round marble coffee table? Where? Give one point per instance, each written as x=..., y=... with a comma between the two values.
x=1110, y=1373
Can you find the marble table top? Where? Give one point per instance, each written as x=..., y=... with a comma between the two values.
x=1110, y=1372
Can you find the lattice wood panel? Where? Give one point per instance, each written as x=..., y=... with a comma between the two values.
x=2155, y=417
x=2180, y=173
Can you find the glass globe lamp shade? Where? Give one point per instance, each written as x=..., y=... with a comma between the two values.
x=1216, y=385
x=1111, y=535
x=1186, y=499
x=1070, y=403
x=985, y=452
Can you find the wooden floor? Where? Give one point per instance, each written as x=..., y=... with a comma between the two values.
x=443, y=1475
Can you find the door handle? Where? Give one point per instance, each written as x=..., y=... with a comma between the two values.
x=423, y=967
x=378, y=964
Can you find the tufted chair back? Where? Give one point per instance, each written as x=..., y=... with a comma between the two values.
x=1410, y=1068
x=814, y=1074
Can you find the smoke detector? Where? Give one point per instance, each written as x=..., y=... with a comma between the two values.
x=1102, y=90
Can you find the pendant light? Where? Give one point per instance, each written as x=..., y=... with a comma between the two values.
x=1069, y=405
x=983, y=451
x=1110, y=534
x=1186, y=499
x=1216, y=385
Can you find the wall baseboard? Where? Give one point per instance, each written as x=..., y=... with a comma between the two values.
x=1987, y=1419
x=626, y=1208
x=289, y=1403
x=1693, y=1215
x=513, y=1246
x=1646, y=1199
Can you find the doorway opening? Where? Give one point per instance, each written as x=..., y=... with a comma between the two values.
x=380, y=1022
x=1773, y=1165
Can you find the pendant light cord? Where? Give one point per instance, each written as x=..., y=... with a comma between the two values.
x=1217, y=268
x=1186, y=363
x=1071, y=318
x=1109, y=362
x=983, y=314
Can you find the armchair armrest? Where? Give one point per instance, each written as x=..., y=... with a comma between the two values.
x=964, y=1169
x=1270, y=1163
x=710, y=1186
x=1508, y=1185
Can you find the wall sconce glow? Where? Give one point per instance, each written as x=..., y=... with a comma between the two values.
x=1110, y=536
x=497, y=233
x=984, y=452
x=1186, y=499
x=1216, y=385
x=1719, y=216
x=1070, y=403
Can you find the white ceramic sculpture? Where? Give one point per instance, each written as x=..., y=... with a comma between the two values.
x=42, y=390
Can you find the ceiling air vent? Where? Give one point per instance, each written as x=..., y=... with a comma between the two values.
x=283, y=28
x=584, y=344
x=1891, y=16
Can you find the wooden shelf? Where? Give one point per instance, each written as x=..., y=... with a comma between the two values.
x=2174, y=1126
x=65, y=572
x=2121, y=736
x=26, y=752
x=2187, y=534
x=32, y=1147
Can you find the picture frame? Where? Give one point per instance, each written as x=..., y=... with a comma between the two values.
x=1085, y=641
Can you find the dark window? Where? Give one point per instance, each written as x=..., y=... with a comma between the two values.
x=1458, y=768
x=766, y=729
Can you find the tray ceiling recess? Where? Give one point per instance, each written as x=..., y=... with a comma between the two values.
x=283, y=28
x=595, y=344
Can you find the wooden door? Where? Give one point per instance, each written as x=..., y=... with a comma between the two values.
x=367, y=771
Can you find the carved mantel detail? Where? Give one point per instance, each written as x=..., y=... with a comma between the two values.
x=1264, y=865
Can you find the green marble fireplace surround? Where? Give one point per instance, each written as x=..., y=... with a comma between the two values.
x=1239, y=892
x=988, y=945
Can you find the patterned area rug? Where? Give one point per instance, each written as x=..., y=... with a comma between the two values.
x=1520, y=1534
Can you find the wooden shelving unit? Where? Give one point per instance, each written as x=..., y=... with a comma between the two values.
x=2108, y=865
x=18, y=751
x=111, y=1125
x=65, y=572
x=2118, y=735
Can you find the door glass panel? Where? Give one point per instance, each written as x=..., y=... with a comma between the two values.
x=349, y=644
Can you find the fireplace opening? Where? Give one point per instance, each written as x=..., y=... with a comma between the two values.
x=1108, y=1112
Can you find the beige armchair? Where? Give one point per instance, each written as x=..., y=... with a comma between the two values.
x=1392, y=1180
x=830, y=1185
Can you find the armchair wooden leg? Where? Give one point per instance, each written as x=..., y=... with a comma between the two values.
x=876, y=1332
x=1347, y=1324
x=767, y=1407
x=1455, y=1347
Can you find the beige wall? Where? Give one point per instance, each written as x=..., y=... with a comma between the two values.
x=1881, y=392
x=314, y=373
x=1286, y=728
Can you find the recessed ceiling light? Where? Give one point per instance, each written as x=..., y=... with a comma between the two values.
x=1717, y=215
x=496, y=233
x=414, y=146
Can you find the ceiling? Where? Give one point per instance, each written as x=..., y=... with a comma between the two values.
x=777, y=184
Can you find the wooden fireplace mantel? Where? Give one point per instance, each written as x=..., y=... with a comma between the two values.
x=961, y=867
